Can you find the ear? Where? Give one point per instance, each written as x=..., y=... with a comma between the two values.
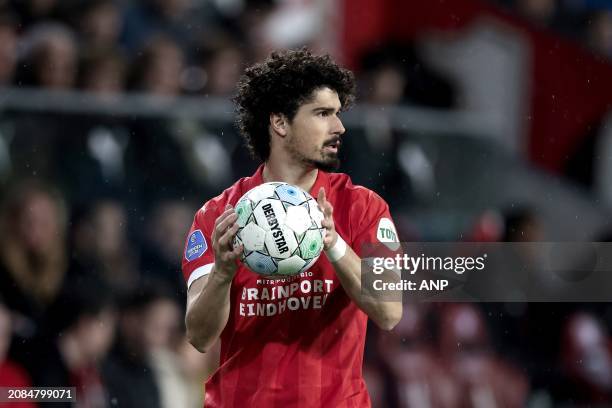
x=278, y=124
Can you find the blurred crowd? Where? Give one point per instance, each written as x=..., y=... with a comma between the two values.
x=179, y=47
x=95, y=208
x=84, y=303
x=588, y=22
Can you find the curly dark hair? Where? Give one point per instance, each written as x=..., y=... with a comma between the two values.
x=281, y=84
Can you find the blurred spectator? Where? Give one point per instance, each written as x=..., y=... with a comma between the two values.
x=157, y=69
x=156, y=167
x=206, y=151
x=252, y=23
x=103, y=73
x=485, y=380
x=223, y=65
x=128, y=370
x=100, y=246
x=99, y=23
x=539, y=12
x=599, y=33
x=149, y=18
x=419, y=379
x=488, y=227
x=586, y=362
x=35, y=11
x=163, y=244
x=522, y=225
x=375, y=383
x=8, y=49
x=32, y=248
x=49, y=57
x=198, y=367
x=79, y=331
x=396, y=73
x=164, y=336
x=11, y=373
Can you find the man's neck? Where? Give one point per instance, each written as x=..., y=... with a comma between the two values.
x=293, y=174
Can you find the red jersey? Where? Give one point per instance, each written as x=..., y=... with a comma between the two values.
x=296, y=341
x=12, y=375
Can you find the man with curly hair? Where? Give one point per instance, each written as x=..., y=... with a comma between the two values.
x=305, y=350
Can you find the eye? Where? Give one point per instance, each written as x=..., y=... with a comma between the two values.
x=323, y=113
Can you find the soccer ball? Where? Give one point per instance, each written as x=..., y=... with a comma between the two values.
x=280, y=228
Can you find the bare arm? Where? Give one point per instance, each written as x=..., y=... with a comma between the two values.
x=208, y=298
x=386, y=314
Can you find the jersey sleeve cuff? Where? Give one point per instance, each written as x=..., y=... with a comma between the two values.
x=198, y=273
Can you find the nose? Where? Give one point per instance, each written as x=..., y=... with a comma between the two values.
x=338, y=128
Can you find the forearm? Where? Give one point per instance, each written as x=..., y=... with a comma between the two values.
x=208, y=311
x=384, y=312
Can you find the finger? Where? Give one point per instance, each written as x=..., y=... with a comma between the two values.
x=226, y=239
x=324, y=205
x=224, y=214
x=228, y=210
x=227, y=222
x=321, y=199
x=328, y=210
x=327, y=224
x=221, y=224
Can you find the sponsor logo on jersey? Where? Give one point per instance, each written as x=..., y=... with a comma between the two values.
x=274, y=297
x=385, y=233
x=196, y=245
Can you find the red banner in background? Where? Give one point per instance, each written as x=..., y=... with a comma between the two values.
x=570, y=90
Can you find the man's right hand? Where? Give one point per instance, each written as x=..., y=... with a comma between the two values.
x=223, y=235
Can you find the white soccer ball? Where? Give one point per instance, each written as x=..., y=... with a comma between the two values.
x=280, y=228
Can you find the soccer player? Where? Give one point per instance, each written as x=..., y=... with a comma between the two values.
x=296, y=341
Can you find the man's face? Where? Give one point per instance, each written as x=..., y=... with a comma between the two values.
x=313, y=136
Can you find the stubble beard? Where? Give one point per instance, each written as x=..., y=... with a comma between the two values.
x=327, y=162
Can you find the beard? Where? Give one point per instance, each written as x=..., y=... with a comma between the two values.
x=328, y=162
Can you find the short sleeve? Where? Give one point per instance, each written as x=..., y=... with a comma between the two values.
x=198, y=255
x=374, y=224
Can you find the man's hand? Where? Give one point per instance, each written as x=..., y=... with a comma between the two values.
x=331, y=236
x=222, y=241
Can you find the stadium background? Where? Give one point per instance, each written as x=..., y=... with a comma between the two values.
x=477, y=121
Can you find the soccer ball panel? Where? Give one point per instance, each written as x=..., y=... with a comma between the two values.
x=290, y=194
x=253, y=237
x=244, y=210
x=291, y=266
x=298, y=219
x=311, y=244
x=261, y=192
x=260, y=263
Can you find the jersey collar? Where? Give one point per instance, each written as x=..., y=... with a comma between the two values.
x=322, y=180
